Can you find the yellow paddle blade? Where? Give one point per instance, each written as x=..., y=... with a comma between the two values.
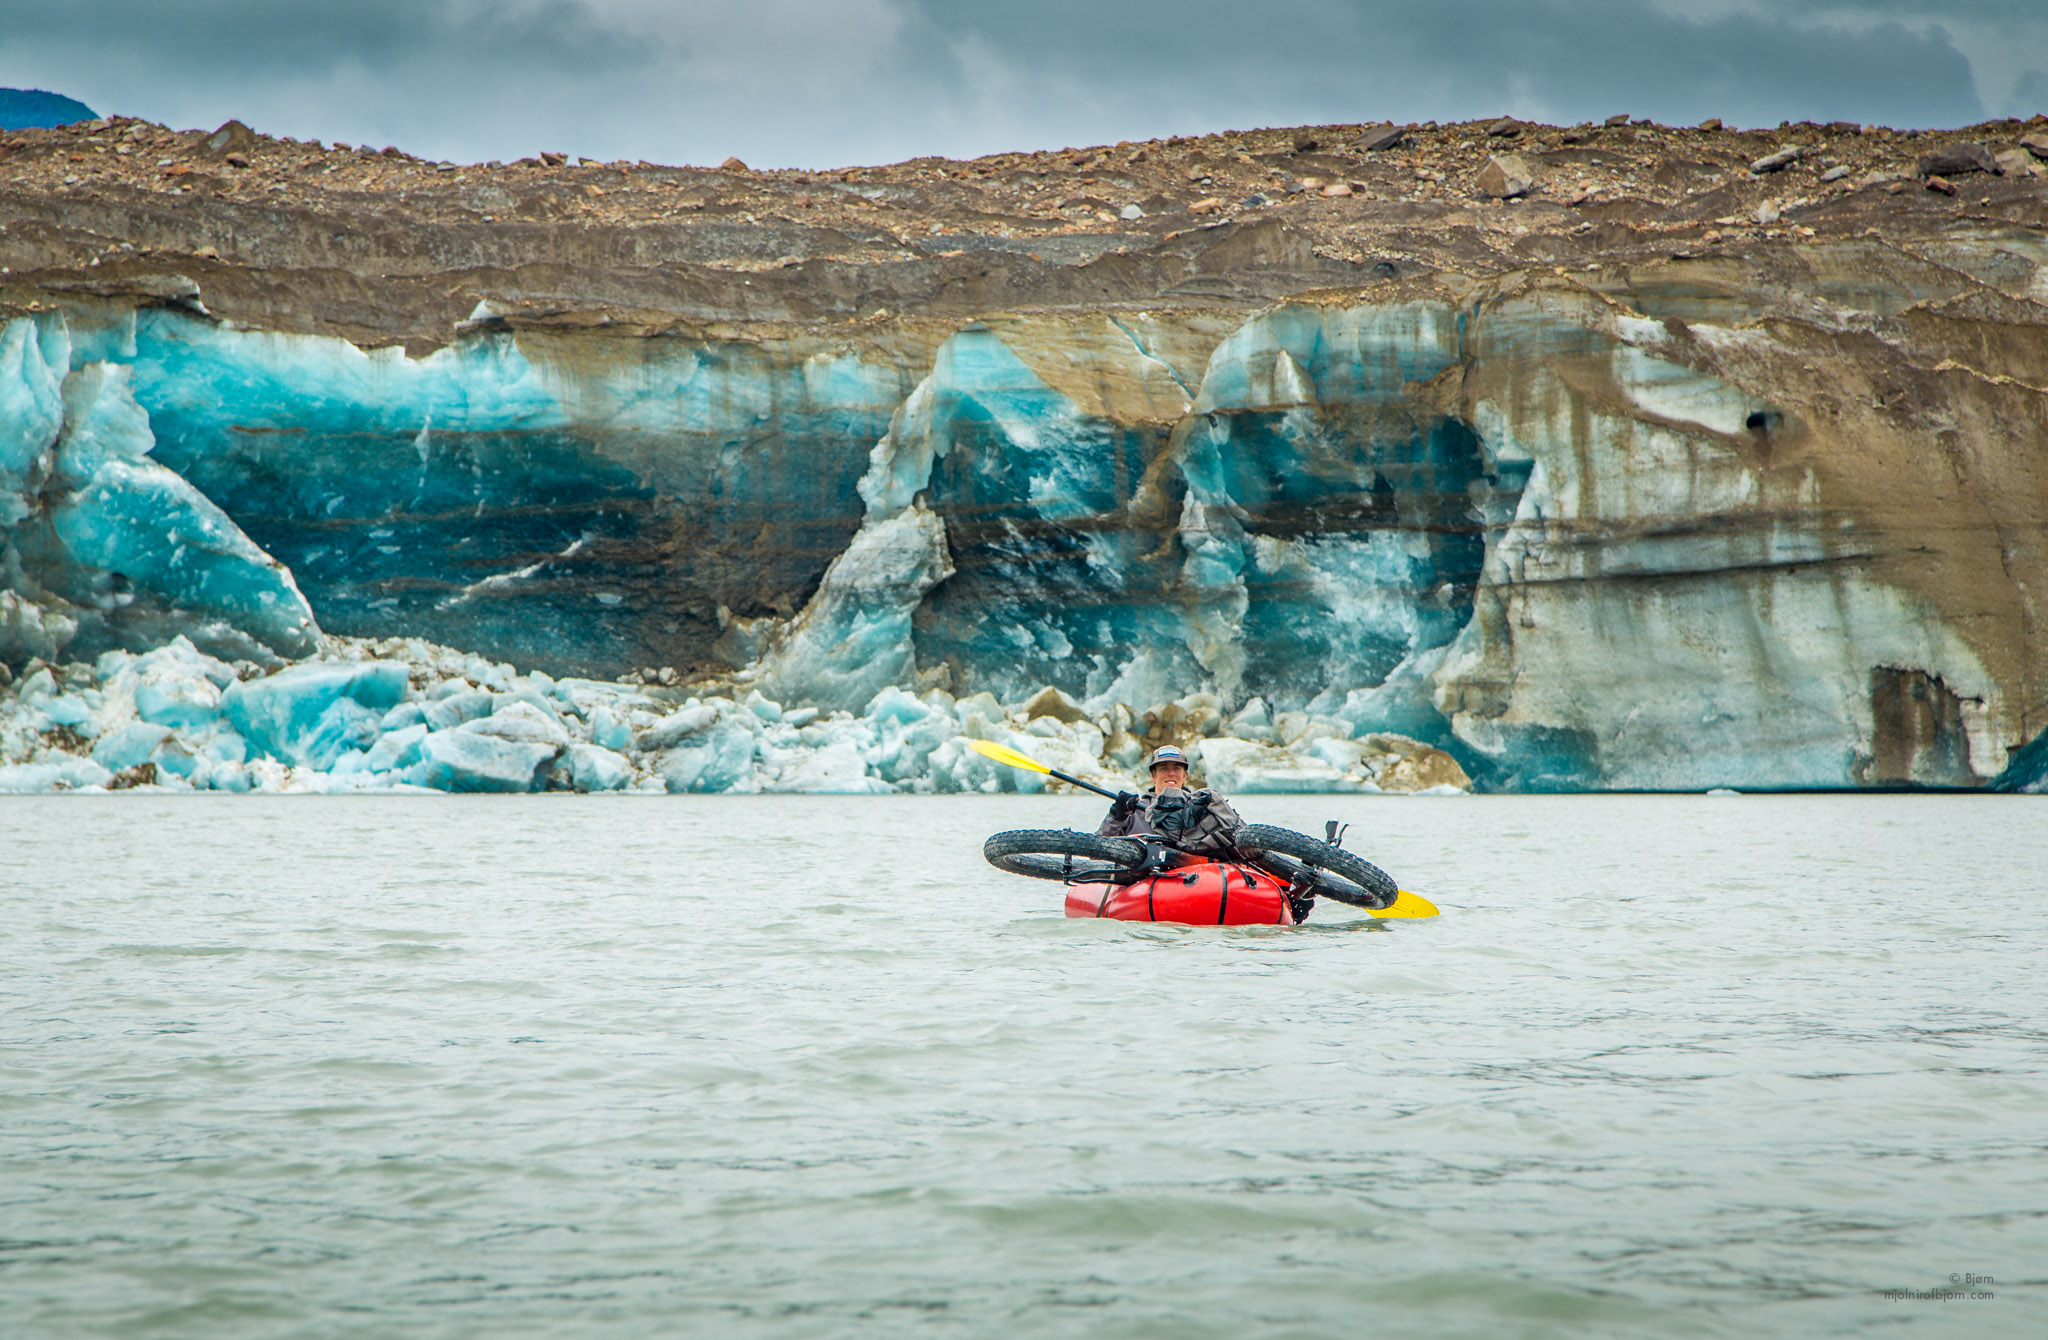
x=1003, y=754
x=1408, y=904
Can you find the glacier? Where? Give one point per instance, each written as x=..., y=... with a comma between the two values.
x=1517, y=535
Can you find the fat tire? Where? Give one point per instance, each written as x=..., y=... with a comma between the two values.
x=1062, y=854
x=1337, y=873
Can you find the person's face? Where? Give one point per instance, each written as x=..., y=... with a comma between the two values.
x=1170, y=775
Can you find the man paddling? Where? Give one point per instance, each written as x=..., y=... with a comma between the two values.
x=1201, y=822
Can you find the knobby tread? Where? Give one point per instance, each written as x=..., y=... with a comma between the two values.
x=1061, y=854
x=1338, y=873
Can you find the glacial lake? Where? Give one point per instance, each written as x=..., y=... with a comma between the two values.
x=806, y=1066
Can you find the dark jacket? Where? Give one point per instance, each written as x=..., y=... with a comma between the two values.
x=1205, y=824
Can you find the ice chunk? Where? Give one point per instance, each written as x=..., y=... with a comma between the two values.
x=125, y=746
x=608, y=731
x=595, y=768
x=1346, y=756
x=228, y=747
x=1403, y=702
x=345, y=726
x=1246, y=767
x=459, y=760
x=308, y=716
x=677, y=726
x=38, y=686
x=184, y=703
x=455, y=709
x=834, y=768
x=893, y=704
x=30, y=628
x=519, y=721
x=533, y=697
x=127, y=527
x=142, y=521
x=1254, y=721
x=906, y=731
x=66, y=774
x=854, y=637
x=173, y=759
x=723, y=761
x=66, y=709
x=396, y=749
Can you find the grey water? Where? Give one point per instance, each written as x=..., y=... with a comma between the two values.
x=806, y=1066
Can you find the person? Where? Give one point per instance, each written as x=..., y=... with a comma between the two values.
x=1200, y=822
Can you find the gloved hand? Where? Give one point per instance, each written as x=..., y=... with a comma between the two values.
x=1125, y=805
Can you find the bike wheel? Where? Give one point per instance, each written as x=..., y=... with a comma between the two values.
x=1062, y=854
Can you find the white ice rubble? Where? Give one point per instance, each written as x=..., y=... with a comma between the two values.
x=406, y=715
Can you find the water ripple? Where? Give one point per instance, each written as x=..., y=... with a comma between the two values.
x=509, y=1066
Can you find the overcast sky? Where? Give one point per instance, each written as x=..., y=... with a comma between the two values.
x=818, y=83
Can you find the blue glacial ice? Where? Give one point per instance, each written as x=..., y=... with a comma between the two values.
x=310, y=715
x=34, y=358
x=513, y=493
x=101, y=545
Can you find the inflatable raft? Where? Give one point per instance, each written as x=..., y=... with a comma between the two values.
x=1272, y=877
x=1199, y=893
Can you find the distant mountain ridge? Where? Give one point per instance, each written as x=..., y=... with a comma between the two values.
x=27, y=108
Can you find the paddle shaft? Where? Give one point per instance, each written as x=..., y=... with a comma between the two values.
x=1076, y=781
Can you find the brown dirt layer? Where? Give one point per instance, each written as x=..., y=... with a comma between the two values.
x=381, y=247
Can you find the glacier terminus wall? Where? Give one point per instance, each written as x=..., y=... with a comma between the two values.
x=1632, y=531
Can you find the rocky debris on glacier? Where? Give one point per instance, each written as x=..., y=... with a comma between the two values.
x=1505, y=177
x=405, y=715
x=1955, y=160
x=116, y=203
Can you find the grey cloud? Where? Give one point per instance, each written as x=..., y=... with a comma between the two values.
x=211, y=36
x=1562, y=58
x=817, y=82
